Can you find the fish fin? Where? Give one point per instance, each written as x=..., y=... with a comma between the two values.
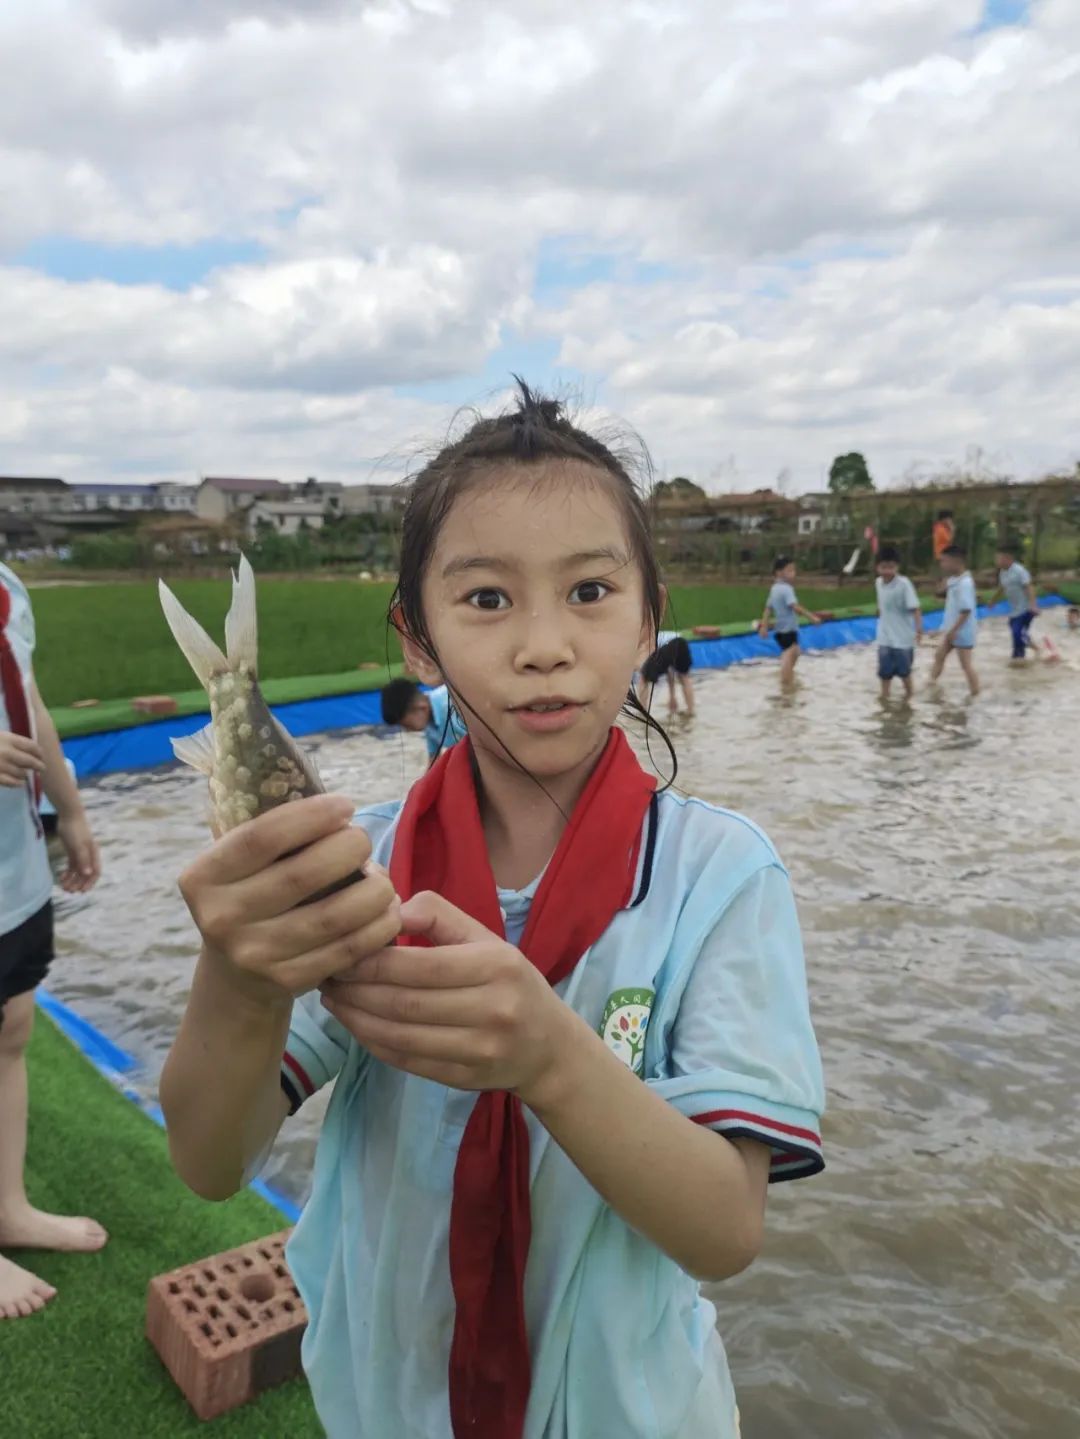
x=241, y=628
x=197, y=749
x=200, y=651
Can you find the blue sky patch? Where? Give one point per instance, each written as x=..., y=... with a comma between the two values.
x=177, y=267
x=570, y=264
x=997, y=13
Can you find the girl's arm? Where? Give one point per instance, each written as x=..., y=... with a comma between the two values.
x=265, y=940
x=84, y=863
x=807, y=614
x=630, y=1144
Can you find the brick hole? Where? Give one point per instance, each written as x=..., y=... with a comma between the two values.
x=222, y=1294
x=257, y=1287
x=242, y=1311
x=246, y=1262
x=265, y=1253
x=174, y=1288
x=190, y=1308
x=267, y=1314
x=206, y=1329
x=214, y=1312
x=281, y=1271
x=288, y=1306
x=230, y=1330
x=209, y=1276
x=199, y=1290
x=229, y=1268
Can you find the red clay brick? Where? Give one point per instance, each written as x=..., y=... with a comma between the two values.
x=228, y=1327
x=154, y=705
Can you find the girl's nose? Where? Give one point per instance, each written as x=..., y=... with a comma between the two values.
x=544, y=645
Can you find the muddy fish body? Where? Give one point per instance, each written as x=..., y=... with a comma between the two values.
x=252, y=763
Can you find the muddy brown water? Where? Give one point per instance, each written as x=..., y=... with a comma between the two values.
x=928, y=1284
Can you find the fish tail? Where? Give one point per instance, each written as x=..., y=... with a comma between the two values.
x=241, y=627
x=200, y=651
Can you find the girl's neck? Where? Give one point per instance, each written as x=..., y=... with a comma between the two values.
x=523, y=822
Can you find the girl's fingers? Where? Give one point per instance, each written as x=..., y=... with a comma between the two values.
x=450, y=966
x=313, y=927
x=254, y=846
x=446, y=1043
x=455, y=1007
x=294, y=879
x=305, y=972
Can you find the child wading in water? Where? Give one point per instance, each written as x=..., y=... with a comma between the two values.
x=1015, y=585
x=959, y=623
x=783, y=604
x=597, y=988
x=900, y=623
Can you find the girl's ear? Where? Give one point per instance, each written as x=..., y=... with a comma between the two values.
x=417, y=659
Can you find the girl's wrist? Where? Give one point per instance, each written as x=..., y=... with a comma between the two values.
x=556, y=1082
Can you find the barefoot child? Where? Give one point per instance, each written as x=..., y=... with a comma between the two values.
x=595, y=987
x=959, y=622
x=431, y=714
x=1015, y=584
x=900, y=624
x=31, y=762
x=670, y=658
x=783, y=604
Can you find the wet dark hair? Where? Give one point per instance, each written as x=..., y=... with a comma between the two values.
x=781, y=563
x=395, y=699
x=534, y=430
x=889, y=555
x=1008, y=547
x=944, y=514
x=955, y=552
x=1073, y=610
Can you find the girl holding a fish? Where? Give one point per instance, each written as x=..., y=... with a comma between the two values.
x=565, y=1011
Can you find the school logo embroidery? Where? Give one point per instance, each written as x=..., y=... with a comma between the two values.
x=626, y=1018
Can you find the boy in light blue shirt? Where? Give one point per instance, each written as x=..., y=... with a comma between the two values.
x=426, y=712
x=783, y=604
x=1015, y=584
x=959, y=624
x=900, y=625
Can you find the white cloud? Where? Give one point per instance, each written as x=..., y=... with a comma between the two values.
x=863, y=217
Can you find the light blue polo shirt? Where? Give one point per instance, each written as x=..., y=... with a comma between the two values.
x=700, y=988
x=897, y=606
x=25, y=877
x=960, y=596
x=782, y=602
x=445, y=727
x=1014, y=581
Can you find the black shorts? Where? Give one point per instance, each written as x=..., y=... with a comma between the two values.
x=25, y=955
x=787, y=638
x=674, y=655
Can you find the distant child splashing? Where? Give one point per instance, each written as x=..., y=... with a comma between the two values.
x=556, y=988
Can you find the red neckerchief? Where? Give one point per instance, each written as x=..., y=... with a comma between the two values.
x=11, y=685
x=439, y=845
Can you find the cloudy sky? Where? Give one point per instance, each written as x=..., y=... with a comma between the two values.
x=290, y=237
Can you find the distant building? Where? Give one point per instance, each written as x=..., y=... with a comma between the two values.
x=821, y=512
x=373, y=499
x=126, y=499
x=30, y=495
x=174, y=498
x=219, y=500
x=749, y=514
x=325, y=492
x=286, y=517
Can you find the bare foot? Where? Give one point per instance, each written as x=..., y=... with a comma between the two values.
x=21, y=1293
x=34, y=1229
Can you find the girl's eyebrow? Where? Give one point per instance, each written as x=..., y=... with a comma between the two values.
x=458, y=564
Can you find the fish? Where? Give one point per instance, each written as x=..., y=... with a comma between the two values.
x=251, y=761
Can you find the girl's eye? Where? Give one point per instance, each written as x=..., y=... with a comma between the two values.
x=588, y=592
x=488, y=600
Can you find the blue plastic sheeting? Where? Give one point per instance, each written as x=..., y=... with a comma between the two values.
x=116, y=1065
x=831, y=635
x=149, y=744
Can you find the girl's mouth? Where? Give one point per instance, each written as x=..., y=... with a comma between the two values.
x=547, y=716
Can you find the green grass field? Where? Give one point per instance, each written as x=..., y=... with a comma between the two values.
x=82, y=1367
x=110, y=641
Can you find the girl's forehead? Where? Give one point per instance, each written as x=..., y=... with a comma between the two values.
x=534, y=510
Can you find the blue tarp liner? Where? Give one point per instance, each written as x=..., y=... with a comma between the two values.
x=149, y=744
x=117, y=1066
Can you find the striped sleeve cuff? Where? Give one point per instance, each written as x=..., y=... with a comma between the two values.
x=295, y=1081
x=793, y=1134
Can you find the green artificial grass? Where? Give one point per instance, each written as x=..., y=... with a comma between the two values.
x=82, y=1367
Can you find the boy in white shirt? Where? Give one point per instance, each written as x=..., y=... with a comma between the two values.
x=959, y=625
x=900, y=625
x=31, y=762
x=1015, y=584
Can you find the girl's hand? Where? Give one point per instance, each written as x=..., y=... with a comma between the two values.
x=19, y=757
x=247, y=894
x=83, y=861
x=470, y=1012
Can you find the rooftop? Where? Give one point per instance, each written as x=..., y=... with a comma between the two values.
x=231, y=486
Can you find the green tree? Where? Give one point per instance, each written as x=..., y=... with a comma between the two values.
x=680, y=488
x=849, y=473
